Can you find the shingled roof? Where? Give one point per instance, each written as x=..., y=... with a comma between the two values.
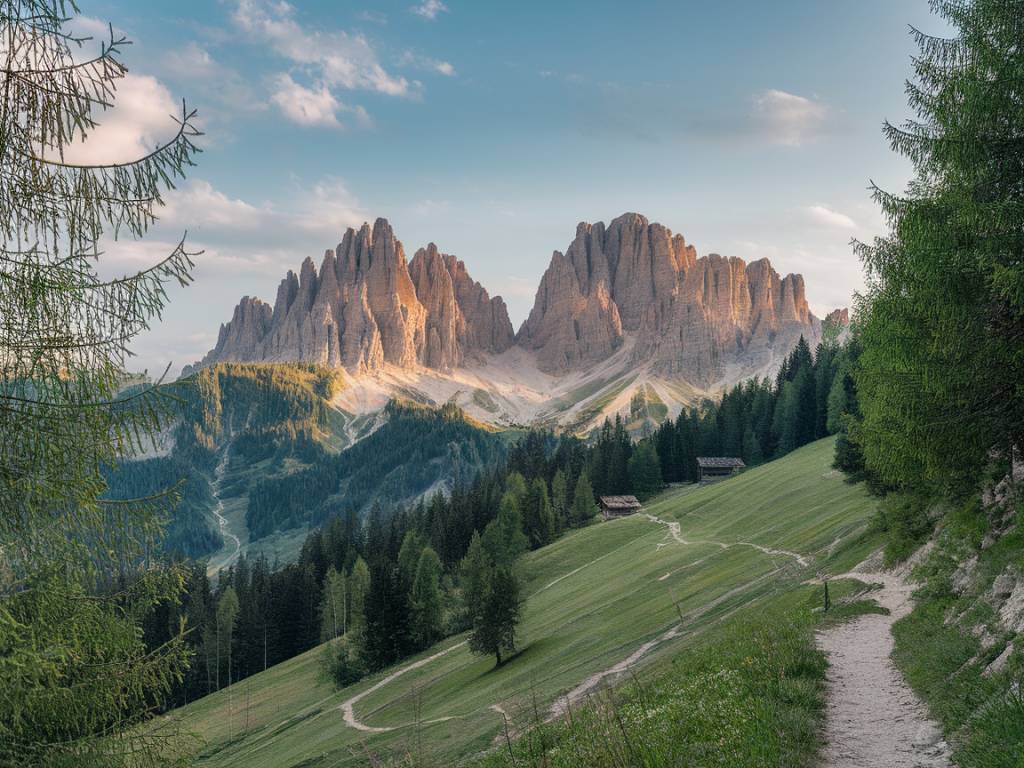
x=719, y=462
x=620, y=502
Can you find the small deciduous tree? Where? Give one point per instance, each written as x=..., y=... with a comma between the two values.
x=333, y=606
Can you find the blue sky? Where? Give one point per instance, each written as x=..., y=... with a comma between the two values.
x=751, y=128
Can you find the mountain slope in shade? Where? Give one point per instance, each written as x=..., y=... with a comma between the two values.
x=629, y=313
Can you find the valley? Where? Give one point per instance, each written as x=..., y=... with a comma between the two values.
x=605, y=601
x=662, y=503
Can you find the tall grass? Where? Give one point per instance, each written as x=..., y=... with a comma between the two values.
x=750, y=694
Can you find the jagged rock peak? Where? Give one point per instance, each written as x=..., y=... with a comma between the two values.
x=687, y=315
x=365, y=307
x=239, y=338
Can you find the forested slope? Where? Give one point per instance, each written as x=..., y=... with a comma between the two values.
x=289, y=458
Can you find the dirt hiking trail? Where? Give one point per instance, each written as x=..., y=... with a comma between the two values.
x=873, y=719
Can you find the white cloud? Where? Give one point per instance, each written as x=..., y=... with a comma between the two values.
x=219, y=86
x=316, y=216
x=339, y=59
x=828, y=217
x=142, y=117
x=314, y=106
x=305, y=106
x=785, y=118
x=429, y=9
x=412, y=59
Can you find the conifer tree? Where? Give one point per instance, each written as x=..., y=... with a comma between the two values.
x=560, y=499
x=494, y=630
x=425, y=600
x=942, y=324
x=474, y=573
x=538, y=520
x=645, y=470
x=227, y=614
x=583, y=506
x=74, y=673
x=503, y=537
x=409, y=555
x=358, y=587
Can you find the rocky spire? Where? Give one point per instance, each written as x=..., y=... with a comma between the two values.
x=631, y=280
x=689, y=316
x=366, y=307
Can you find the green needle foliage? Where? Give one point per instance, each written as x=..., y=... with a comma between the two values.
x=494, y=629
x=942, y=324
x=76, y=577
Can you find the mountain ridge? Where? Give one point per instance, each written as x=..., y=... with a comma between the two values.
x=627, y=299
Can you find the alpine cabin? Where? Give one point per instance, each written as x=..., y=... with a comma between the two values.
x=619, y=506
x=714, y=468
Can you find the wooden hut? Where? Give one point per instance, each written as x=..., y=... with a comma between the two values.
x=619, y=506
x=718, y=467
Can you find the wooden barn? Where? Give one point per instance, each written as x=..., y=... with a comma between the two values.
x=718, y=467
x=619, y=506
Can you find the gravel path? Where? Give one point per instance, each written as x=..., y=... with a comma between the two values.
x=348, y=707
x=873, y=719
x=675, y=531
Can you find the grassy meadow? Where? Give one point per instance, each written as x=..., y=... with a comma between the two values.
x=627, y=589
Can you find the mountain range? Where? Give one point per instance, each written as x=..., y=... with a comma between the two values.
x=628, y=319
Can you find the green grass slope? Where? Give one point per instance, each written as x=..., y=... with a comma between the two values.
x=629, y=590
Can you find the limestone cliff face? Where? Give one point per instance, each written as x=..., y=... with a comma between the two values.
x=365, y=306
x=698, y=319
x=249, y=324
x=692, y=317
x=462, y=319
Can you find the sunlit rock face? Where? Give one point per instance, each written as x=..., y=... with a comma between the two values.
x=699, y=319
x=366, y=306
x=689, y=316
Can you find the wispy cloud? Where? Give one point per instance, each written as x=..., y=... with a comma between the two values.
x=788, y=119
x=409, y=58
x=314, y=217
x=429, y=9
x=222, y=90
x=373, y=17
x=336, y=58
x=824, y=216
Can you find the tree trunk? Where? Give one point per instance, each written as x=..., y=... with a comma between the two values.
x=497, y=652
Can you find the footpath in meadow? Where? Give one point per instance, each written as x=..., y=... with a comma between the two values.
x=873, y=718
